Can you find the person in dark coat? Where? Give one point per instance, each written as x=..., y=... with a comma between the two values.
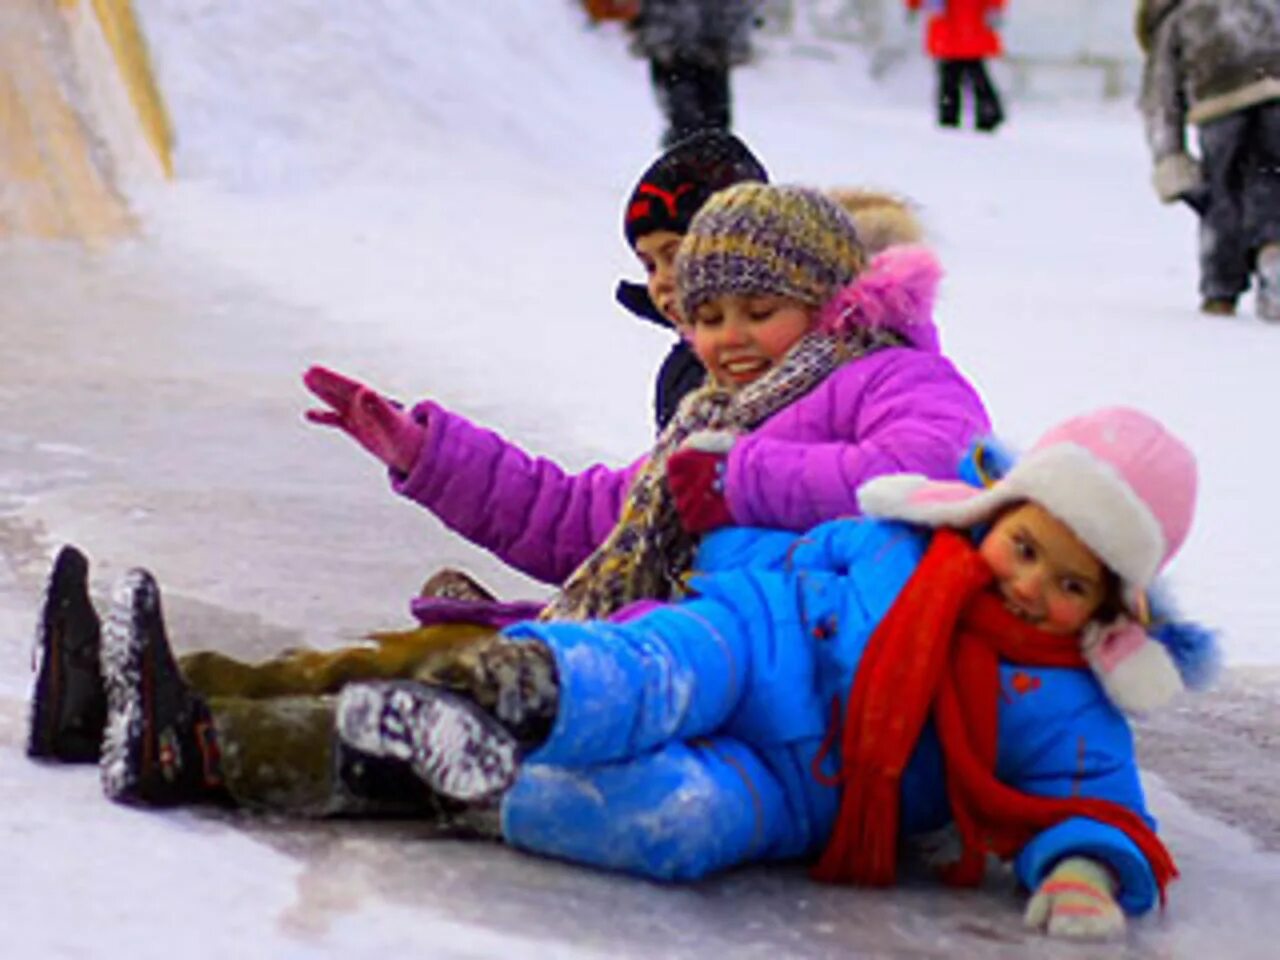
x=1215, y=64
x=690, y=46
x=657, y=215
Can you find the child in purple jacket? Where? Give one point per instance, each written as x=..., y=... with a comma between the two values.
x=824, y=372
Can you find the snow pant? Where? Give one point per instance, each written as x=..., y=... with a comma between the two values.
x=953, y=75
x=1240, y=156
x=692, y=97
x=274, y=722
x=674, y=753
x=406, y=654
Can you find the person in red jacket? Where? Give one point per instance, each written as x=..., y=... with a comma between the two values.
x=961, y=35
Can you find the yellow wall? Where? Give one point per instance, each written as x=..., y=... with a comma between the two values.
x=55, y=181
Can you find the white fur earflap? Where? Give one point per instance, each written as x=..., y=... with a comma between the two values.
x=915, y=498
x=880, y=496
x=1137, y=672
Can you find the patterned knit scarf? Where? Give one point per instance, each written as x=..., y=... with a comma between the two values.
x=938, y=652
x=648, y=553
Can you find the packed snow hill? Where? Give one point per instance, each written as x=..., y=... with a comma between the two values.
x=430, y=197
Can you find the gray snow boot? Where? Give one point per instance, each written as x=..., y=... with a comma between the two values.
x=1268, y=269
x=160, y=746
x=451, y=744
x=464, y=730
x=68, y=700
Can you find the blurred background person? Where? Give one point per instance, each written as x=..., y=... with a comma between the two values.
x=691, y=45
x=960, y=35
x=1215, y=64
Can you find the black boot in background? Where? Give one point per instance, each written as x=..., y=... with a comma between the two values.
x=989, y=111
x=68, y=700
x=950, y=73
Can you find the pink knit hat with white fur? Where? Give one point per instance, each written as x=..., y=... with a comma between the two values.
x=1124, y=485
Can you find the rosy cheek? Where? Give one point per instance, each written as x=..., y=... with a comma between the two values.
x=1065, y=614
x=999, y=557
x=702, y=345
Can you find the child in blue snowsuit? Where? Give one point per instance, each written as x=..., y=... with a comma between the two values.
x=757, y=721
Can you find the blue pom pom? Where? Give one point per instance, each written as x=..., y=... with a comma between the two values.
x=1193, y=647
x=986, y=461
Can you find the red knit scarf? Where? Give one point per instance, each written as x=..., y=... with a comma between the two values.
x=939, y=649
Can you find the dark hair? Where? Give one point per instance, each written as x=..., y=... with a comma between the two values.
x=1112, y=604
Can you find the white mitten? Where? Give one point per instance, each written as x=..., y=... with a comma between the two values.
x=710, y=441
x=1176, y=175
x=1077, y=901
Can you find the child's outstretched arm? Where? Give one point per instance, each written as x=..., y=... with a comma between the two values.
x=526, y=510
x=1082, y=751
x=1076, y=901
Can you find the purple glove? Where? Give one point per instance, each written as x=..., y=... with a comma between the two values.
x=369, y=418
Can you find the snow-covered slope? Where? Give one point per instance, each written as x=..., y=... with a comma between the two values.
x=452, y=175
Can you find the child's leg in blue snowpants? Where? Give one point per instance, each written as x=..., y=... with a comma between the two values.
x=678, y=813
x=672, y=674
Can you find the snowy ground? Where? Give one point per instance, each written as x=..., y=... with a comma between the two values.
x=431, y=201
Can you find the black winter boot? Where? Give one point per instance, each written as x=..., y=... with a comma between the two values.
x=68, y=700
x=160, y=748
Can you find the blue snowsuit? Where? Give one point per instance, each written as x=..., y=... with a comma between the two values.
x=684, y=738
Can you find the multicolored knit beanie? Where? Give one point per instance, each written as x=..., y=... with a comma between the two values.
x=675, y=185
x=753, y=239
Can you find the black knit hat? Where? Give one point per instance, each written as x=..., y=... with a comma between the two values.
x=680, y=181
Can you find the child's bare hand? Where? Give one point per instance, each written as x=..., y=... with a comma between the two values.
x=366, y=416
x=1076, y=902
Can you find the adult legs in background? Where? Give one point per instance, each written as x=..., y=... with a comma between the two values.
x=950, y=73
x=1224, y=246
x=988, y=110
x=691, y=96
x=1262, y=204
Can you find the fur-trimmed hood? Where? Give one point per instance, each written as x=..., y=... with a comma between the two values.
x=896, y=293
x=883, y=219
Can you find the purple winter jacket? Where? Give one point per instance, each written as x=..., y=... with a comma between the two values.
x=900, y=409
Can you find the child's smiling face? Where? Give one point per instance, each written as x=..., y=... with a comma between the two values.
x=740, y=338
x=1043, y=572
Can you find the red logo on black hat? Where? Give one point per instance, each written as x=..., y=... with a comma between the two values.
x=670, y=198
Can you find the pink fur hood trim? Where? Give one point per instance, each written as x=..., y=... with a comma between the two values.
x=895, y=292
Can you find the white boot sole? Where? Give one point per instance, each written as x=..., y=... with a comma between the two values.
x=452, y=745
